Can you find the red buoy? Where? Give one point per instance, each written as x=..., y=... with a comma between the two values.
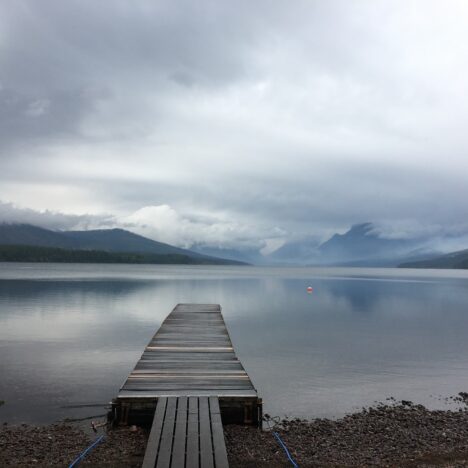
x=309, y=289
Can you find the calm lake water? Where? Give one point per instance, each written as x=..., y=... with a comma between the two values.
x=70, y=334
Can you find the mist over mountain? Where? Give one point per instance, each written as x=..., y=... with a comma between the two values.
x=361, y=245
x=457, y=260
x=300, y=252
x=248, y=255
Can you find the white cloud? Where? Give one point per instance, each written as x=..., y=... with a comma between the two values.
x=162, y=223
x=222, y=123
x=165, y=224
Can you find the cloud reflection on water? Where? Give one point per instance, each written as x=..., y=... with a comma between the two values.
x=345, y=345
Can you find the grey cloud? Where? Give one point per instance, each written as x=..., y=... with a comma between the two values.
x=303, y=118
x=29, y=119
x=80, y=54
x=9, y=213
x=84, y=41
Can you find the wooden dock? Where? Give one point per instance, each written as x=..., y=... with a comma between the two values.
x=191, y=355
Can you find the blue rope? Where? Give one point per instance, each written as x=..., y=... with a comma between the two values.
x=83, y=454
x=283, y=445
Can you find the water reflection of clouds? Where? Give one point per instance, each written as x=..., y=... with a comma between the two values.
x=44, y=310
x=84, y=272
x=347, y=343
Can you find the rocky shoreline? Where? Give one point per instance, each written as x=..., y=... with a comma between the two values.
x=57, y=445
x=395, y=434
x=400, y=434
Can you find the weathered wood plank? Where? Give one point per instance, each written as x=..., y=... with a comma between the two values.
x=214, y=405
x=149, y=394
x=187, y=373
x=189, y=339
x=187, y=389
x=180, y=434
x=193, y=378
x=152, y=446
x=182, y=363
x=219, y=445
x=188, y=385
x=193, y=355
x=206, y=446
x=165, y=447
x=192, y=460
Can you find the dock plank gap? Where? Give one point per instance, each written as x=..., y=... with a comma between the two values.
x=191, y=355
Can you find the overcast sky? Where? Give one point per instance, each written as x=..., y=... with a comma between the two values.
x=242, y=123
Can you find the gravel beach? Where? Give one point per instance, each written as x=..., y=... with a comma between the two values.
x=398, y=434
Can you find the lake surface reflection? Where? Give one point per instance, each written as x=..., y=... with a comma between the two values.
x=70, y=334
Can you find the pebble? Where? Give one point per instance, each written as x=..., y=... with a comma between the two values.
x=396, y=434
x=387, y=435
x=59, y=444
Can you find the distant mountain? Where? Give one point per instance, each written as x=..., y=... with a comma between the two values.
x=296, y=252
x=26, y=234
x=28, y=253
x=120, y=240
x=361, y=243
x=454, y=260
x=106, y=240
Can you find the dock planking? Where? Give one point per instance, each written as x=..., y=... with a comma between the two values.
x=191, y=355
x=186, y=433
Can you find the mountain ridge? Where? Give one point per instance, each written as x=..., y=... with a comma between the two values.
x=452, y=260
x=360, y=245
x=101, y=240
